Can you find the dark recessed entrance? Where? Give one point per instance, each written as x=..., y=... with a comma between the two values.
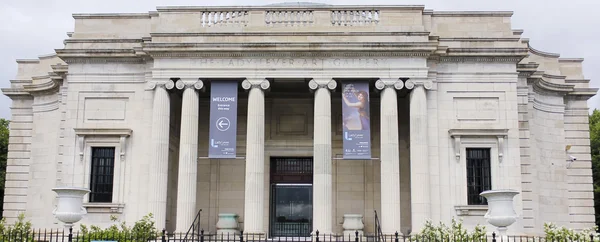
x=291, y=197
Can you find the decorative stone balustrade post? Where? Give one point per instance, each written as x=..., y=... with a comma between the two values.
x=188, y=154
x=322, y=177
x=390, y=157
x=254, y=195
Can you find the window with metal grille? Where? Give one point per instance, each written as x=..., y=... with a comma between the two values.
x=479, y=176
x=101, y=180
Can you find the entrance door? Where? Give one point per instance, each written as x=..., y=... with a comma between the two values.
x=291, y=197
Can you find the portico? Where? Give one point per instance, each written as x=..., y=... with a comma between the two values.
x=256, y=195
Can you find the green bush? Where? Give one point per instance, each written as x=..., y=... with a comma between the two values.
x=19, y=231
x=555, y=233
x=143, y=230
x=456, y=232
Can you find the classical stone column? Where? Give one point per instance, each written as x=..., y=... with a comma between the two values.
x=419, y=154
x=159, y=166
x=188, y=155
x=254, y=196
x=390, y=156
x=322, y=177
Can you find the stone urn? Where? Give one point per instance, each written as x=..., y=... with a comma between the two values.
x=352, y=224
x=227, y=224
x=69, y=208
x=501, y=212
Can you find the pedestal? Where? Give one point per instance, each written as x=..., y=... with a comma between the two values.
x=352, y=224
x=227, y=224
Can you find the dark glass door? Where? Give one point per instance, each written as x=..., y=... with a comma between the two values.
x=291, y=210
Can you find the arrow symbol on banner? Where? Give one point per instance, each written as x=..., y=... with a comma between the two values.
x=223, y=124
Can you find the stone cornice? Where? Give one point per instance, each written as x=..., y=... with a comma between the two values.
x=275, y=7
x=472, y=13
x=111, y=16
x=474, y=39
x=575, y=60
x=307, y=49
x=102, y=132
x=582, y=81
x=520, y=52
x=47, y=87
x=234, y=54
x=546, y=86
x=15, y=93
x=505, y=59
x=69, y=41
x=542, y=53
x=349, y=33
x=99, y=55
x=583, y=93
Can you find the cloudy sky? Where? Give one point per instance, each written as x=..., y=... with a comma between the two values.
x=36, y=27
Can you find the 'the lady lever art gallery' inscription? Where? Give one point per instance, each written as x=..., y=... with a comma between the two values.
x=288, y=63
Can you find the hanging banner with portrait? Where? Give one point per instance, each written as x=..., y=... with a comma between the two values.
x=223, y=119
x=356, y=120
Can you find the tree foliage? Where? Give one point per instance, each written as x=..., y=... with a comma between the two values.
x=3, y=157
x=595, y=148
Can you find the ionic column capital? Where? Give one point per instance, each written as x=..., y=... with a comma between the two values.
x=384, y=83
x=261, y=83
x=317, y=83
x=196, y=84
x=413, y=82
x=167, y=84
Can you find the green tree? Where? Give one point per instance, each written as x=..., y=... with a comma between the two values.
x=3, y=155
x=595, y=148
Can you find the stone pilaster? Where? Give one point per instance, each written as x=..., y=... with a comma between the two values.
x=160, y=152
x=390, y=157
x=322, y=176
x=419, y=153
x=188, y=155
x=254, y=195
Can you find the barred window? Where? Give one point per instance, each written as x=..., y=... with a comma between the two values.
x=478, y=175
x=103, y=167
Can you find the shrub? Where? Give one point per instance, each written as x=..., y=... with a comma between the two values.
x=555, y=233
x=456, y=232
x=143, y=229
x=19, y=231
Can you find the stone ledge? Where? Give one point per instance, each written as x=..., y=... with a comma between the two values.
x=471, y=210
x=104, y=207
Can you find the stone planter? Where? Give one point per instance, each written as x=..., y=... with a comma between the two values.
x=69, y=209
x=501, y=212
x=353, y=223
x=227, y=224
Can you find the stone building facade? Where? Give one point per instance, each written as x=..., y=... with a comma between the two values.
x=459, y=103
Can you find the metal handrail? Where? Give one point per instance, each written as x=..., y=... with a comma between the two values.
x=379, y=235
x=195, y=226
